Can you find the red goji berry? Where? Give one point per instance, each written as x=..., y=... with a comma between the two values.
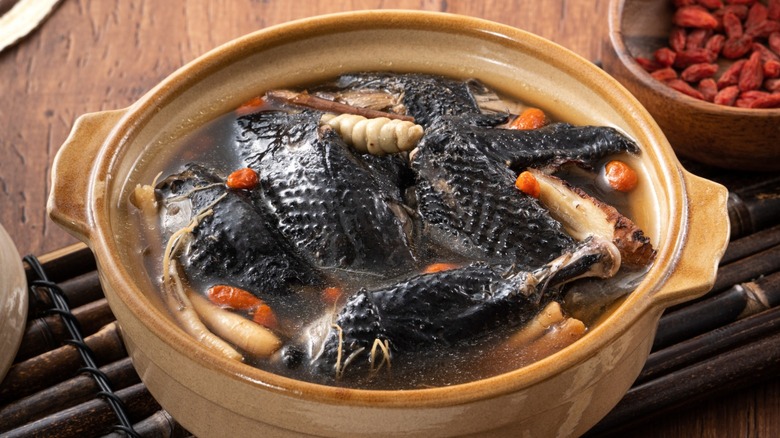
x=773, y=9
x=693, y=56
x=752, y=75
x=681, y=3
x=243, y=179
x=648, y=64
x=772, y=85
x=527, y=183
x=711, y=4
x=694, y=16
x=770, y=101
x=731, y=75
x=697, y=72
x=708, y=88
x=746, y=98
x=740, y=11
x=665, y=56
x=664, y=74
x=741, y=2
x=530, y=118
x=677, y=39
x=620, y=176
x=732, y=25
x=265, y=316
x=757, y=14
x=774, y=42
x=727, y=96
x=697, y=38
x=715, y=44
x=331, y=295
x=766, y=54
x=233, y=297
x=735, y=48
x=685, y=88
x=763, y=29
x=771, y=69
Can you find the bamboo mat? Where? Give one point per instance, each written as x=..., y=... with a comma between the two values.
x=72, y=377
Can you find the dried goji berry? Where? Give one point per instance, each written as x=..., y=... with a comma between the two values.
x=731, y=75
x=694, y=16
x=740, y=11
x=697, y=72
x=647, y=64
x=527, y=183
x=766, y=54
x=708, y=88
x=773, y=9
x=770, y=101
x=697, y=38
x=664, y=74
x=331, y=295
x=757, y=14
x=771, y=69
x=746, y=98
x=772, y=85
x=681, y=3
x=715, y=44
x=732, y=25
x=711, y=4
x=265, y=316
x=752, y=75
x=243, y=179
x=677, y=39
x=764, y=29
x=685, y=88
x=665, y=56
x=233, y=297
x=693, y=56
x=530, y=118
x=727, y=96
x=735, y=48
x=253, y=105
x=620, y=176
x=741, y=2
x=774, y=42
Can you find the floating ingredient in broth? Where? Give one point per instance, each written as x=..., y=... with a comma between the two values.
x=377, y=136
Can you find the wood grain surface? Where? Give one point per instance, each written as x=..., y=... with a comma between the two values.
x=93, y=55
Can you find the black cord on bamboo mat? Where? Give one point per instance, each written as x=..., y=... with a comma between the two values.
x=77, y=340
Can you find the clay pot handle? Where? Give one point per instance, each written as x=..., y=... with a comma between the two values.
x=72, y=171
x=705, y=235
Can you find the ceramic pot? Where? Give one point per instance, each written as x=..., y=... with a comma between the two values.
x=108, y=153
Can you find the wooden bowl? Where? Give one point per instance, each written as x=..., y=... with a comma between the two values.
x=108, y=153
x=728, y=137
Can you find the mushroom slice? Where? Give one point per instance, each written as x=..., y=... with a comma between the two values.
x=583, y=215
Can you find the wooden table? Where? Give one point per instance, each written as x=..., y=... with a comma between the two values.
x=97, y=55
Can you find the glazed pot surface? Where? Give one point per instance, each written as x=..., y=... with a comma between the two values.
x=684, y=215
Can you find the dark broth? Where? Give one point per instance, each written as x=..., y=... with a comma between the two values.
x=483, y=357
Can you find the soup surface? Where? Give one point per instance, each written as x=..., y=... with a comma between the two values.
x=392, y=231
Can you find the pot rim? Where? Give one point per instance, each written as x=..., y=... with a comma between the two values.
x=642, y=300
